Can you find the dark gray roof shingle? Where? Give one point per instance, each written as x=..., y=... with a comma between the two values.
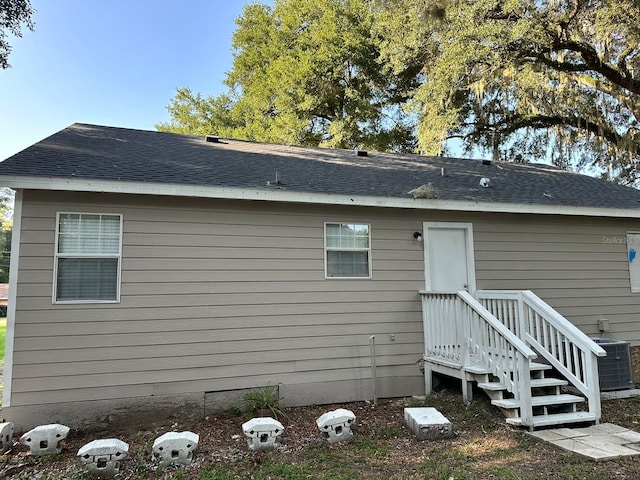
x=117, y=154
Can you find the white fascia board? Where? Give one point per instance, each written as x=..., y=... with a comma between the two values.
x=276, y=195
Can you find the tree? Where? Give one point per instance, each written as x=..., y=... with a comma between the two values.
x=305, y=73
x=13, y=14
x=524, y=79
x=6, y=229
x=5, y=250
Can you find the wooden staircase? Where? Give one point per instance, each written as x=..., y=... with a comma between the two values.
x=551, y=404
x=527, y=357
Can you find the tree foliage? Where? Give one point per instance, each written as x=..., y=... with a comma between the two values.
x=5, y=250
x=6, y=229
x=521, y=80
x=525, y=79
x=305, y=73
x=13, y=15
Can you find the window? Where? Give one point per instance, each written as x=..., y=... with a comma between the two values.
x=347, y=250
x=87, y=263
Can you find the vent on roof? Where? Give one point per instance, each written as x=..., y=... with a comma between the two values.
x=486, y=162
x=362, y=153
x=212, y=139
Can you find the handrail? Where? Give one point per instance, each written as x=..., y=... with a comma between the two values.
x=569, y=350
x=563, y=325
x=498, y=325
x=460, y=332
x=445, y=344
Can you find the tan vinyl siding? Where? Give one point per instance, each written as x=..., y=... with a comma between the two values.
x=214, y=296
x=577, y=265
x=221, y=295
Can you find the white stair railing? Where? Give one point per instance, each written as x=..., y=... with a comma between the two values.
x=572, y=353
x=443, y=330
x=460, y=332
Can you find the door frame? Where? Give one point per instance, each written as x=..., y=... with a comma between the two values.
x=471, y=265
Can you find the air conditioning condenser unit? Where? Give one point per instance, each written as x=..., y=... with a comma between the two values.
x=614, y=370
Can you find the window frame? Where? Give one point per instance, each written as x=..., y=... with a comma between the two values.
x=57, y=255
x=342, y=249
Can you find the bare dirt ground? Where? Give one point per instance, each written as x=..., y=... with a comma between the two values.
x=483, y=447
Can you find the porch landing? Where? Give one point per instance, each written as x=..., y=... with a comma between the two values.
x=598, y=442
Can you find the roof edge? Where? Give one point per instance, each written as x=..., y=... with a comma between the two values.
x=233, y=193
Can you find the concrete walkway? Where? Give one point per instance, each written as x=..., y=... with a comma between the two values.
x=599, y=442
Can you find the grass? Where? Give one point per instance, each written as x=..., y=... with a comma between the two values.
x=264, y=400
x=482, y=447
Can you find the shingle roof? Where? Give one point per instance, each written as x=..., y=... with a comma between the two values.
x=94, y=152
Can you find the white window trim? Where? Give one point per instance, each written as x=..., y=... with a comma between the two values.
x=113, y=255
x=326, y=249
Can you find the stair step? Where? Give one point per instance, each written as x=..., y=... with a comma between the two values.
x=535, y=383
x=548, y=382
x=556, y=419
x=539, y=401
x=492, y=386
x=540, y=366
x=477, y=370
x=482, y=370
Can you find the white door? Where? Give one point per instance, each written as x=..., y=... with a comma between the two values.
x=448, y=254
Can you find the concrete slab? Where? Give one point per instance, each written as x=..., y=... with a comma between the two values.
x=603, y=429
x=569, y=432
x=629, y=436
x=549, y=435
x=427, y=423
x=588, y=451
x=605, y=443
x=614, y=439
x=599, y=442
x=617, y=394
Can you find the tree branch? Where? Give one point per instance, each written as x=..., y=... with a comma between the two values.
x=513, y=123
x=592, y=60
x=613, y=91
x=622, y=61
x=532, y=57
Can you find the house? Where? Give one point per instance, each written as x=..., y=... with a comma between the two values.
x=152, y=271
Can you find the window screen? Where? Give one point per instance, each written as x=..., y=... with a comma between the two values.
x=347, y=250
x=88, y=257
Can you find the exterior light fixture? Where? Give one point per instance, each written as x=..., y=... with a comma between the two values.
x=417, y=236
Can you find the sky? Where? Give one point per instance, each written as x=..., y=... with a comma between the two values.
x=111, y=62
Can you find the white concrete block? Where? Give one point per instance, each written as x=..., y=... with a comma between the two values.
x=175, y=448
x=45, y=439
x=6, y=436
x=262, y=433
x=427, y=423
x=102, y=457
x=336, y=425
